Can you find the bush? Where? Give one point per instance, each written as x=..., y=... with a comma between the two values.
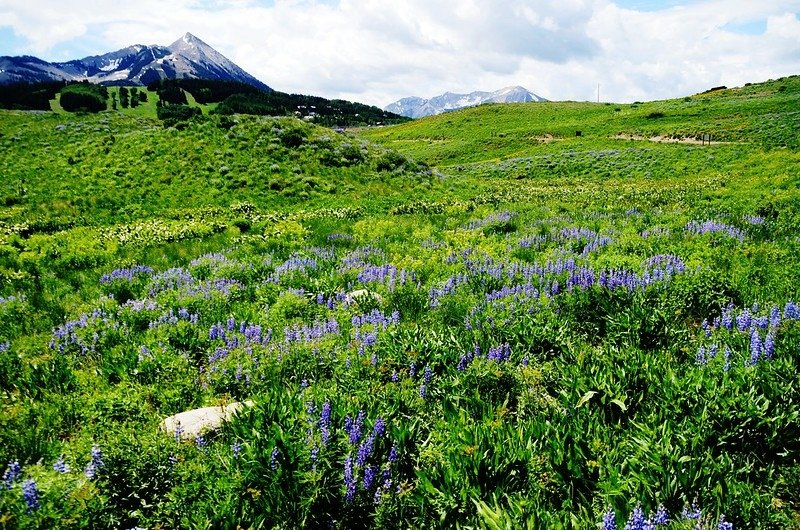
x=173, y=114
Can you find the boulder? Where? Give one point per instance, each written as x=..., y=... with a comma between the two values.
x=194, y=423
x=353, y=297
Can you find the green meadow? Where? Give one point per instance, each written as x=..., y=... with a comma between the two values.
x=543, y=315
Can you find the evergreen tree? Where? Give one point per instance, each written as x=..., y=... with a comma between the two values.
x=123, y=97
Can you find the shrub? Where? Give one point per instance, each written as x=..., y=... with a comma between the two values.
x=173, y=114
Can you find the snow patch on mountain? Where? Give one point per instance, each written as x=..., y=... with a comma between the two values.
x=187, y=57
x=416, y=107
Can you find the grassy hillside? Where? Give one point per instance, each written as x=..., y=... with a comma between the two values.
x=476, y=320
x=763, y=114
x=103, y=168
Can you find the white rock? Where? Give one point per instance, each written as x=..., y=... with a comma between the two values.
x=361, y=294
x=196, y=422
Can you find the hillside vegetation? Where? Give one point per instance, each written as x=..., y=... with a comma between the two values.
x=763, y=114
x=177, y=100
x=474, y=320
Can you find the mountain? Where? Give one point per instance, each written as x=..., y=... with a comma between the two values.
x=187, y=57
x=415, y=107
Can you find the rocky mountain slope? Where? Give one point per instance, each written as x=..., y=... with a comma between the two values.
x=187, y=57
x=416, y=107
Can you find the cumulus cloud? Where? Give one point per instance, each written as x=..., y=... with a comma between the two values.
x=378, y=51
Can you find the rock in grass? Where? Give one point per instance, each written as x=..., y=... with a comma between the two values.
x=193, y=423
x=362, y=295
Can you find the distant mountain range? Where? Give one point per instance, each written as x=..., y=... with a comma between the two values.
x=415, y=107
x=188, y=57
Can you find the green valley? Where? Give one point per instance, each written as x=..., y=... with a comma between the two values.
x=539, y=315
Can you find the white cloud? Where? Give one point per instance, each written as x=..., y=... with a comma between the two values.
x=377, y=51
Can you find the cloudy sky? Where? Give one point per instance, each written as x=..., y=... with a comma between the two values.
x=377, y=51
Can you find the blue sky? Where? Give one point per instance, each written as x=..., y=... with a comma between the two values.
x=378, y=51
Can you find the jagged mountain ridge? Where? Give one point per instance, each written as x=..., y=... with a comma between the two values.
x=187, y=57
x=416, y=107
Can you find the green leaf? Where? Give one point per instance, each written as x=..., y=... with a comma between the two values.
x=620, y=404
x=586, y=397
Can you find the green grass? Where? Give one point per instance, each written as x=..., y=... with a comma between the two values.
x=761, y=114
x=492, y=230
x=119, y=166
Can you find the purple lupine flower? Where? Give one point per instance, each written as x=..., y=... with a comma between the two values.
x=610, y=519
x=365, y=450
x=710, y=226
x=236, y=449
x=349, y=479
x=325, y=422
x=700, y=358
x=395, y=377
x=662, y=517
x=636, y=521
x=462, y=363
x=724, y=525
x=59, y=466
x=428, y=374
x=178, y=432
x=31, y=495
x=369, y=477
x=726, y=320
x=727, y=356
x=755, y=346
x=12, y=473
x=791, y=311
x=412, y=369
x=775, y=316
x=743, y=320
x=273, y=459
x=692, y=514
x=200, y=442
x=172, y=459
x=769, y=344
x=127, y=274
x=379, y=428
x=394, y=454
x=95, y=464
x=353, y=428
x=423, y=391
x=754, y=219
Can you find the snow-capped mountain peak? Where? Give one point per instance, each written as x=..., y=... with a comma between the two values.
x=187, y=57
x=416, y=107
